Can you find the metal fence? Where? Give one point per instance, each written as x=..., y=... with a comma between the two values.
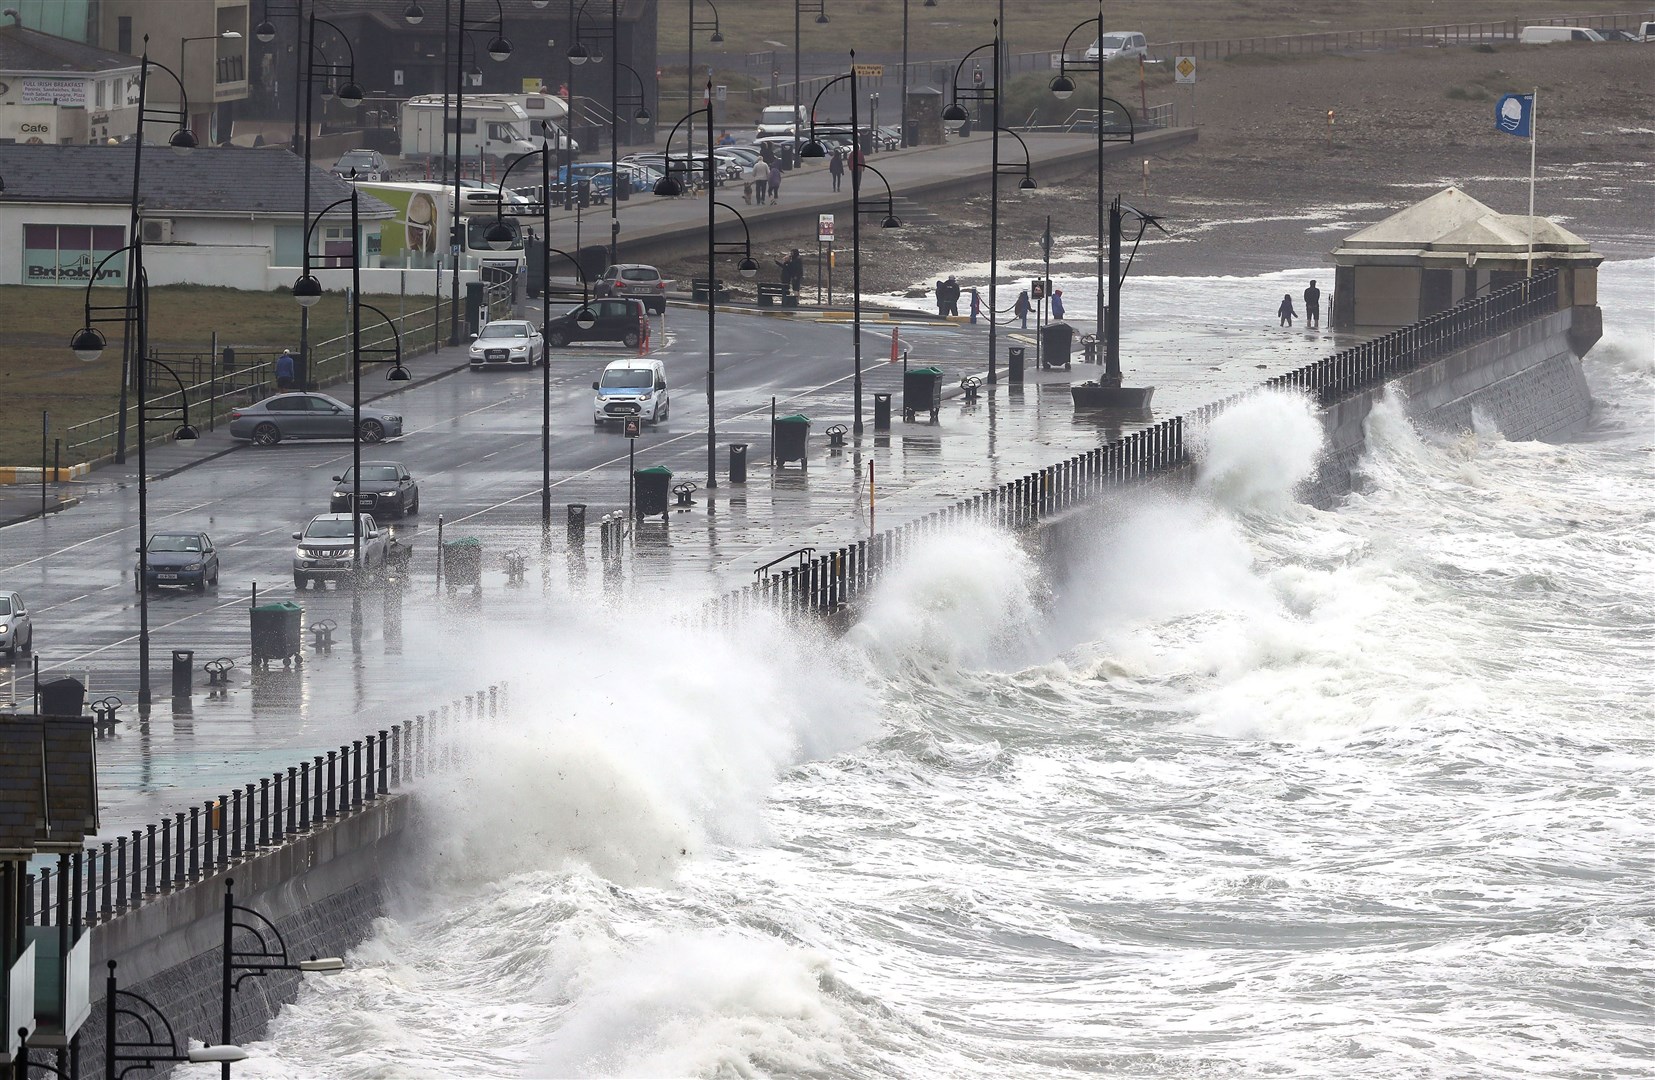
x=100, y=883
x=825, y=583
x=1399, y=37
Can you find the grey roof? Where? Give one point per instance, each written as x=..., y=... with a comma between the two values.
x=210, y=180
x=22, y=49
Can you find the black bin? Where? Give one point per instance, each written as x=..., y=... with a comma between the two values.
x=474, y=306
x=1014, y=364
x=183, y=670
x=462, y=561
x=62, y=697
x=790, y=435
x=276, y=630
x=623, y=187
x=738, y=463
x=911, y=134
x=921, y=392
x=577, y=525
x=882, y=412
x=1056, y=341
x=651, y=489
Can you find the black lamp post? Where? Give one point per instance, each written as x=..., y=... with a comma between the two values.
x=640, y=115
x=717, y=38
x=954, y=118
x=498, y=50
x=820, y=8
x=500, y=236
x=227, y=35
x=121, y=1057
x=270, y=955
x=903, y=141
x=1062, y=87
x=814, y=149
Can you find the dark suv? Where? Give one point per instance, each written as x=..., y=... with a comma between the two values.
x=636, y=280
x=624, y=321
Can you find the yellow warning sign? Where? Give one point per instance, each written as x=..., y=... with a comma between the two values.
x=1185, y=67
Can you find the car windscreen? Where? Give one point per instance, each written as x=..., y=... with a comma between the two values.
x=639, y=275
x=628, y=379
x=373, y=474
x=167, y=542
x=1112, y=41
x=331, y=528
x=507, y=330
x=5, y=605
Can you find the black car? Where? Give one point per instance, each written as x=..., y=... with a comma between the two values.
x=178, y=559
x=616, y=319
x=387, y=488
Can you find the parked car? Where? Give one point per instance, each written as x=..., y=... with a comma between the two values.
x=637, y=280
x=616, y=319
x=1609, y=33
x=177, y=558
x=1128, y=45
x=631, y=388
x=310, y=416
x=326, y=545
x=16, y=630
x=507, y=342
x=366, y=164
x=387, y=488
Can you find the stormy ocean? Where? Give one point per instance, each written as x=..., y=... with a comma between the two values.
x=1253, y=790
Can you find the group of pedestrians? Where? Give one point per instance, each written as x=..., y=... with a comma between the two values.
x=764, y=177
x=1312, y=308
x=948, y=296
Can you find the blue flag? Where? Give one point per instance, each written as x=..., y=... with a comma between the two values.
x=1514, y=115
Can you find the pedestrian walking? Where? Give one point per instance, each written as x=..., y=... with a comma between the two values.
x=1057, y=303
x=951, y=295
x=836, y=168
x=1021, y=308
x=1312, y=307
x=976, y=305
x=285, y=368
x=759, y=177
x=775, y=181
x=1286, y=312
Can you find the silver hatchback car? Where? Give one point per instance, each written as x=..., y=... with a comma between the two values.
x=16, y=631
x=310, y=416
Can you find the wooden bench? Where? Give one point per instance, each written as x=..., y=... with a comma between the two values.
x=699, y=287
x=773, y=294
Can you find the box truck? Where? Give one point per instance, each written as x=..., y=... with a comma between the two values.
x=422, y=232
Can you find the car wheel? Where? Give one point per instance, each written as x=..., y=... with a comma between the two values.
x=372, y=431
x=557, y=338
x=215, y=577
x=631, y=339
x=299, y=582
x=28, y=642
x=267, y=434
x=413, y=507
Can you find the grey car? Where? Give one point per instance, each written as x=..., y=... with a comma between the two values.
x=309, y=416
x=387, y=488
x=16, y=631
x=178, y=558
x=324, y=550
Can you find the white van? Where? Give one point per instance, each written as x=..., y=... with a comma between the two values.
x=1646, y=31
x=627, y=388
x=1119, y=45
x=781, y=120
x=1546, y=35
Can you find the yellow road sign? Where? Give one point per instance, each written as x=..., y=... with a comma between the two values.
x=868, y=71
x=1185, y=67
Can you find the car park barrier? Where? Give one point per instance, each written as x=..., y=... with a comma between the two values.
x=682, y=492
x=103, y=712
x=972, y=385
x=836, y=436
x=218, y=671
x=321, y=635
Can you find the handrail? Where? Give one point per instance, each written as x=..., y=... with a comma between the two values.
x=802, y=553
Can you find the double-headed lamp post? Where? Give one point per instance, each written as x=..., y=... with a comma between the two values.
x=501, y=236
x=815, y=149
x=669, y=187
x=121, y=1056
x=270, y=954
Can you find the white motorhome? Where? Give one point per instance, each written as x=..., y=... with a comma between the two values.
x=494, y=126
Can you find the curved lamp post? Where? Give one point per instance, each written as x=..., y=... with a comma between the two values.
x=270, y=955
x=1062, y=87
x=500, y=235
x=717, y=38
x=121, y=1057
x=799, y=8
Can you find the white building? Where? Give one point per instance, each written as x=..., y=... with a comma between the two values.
x=54, y=90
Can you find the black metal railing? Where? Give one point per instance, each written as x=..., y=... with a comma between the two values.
x=827, y=582
x=102, y=882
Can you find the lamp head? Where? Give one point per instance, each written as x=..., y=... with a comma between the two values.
x=265, y=31
x=498, y=236
x=231, y=35
x=930, y=3
x=578, y=54
x=668, y=187
x=540, y=3
x=955, y=116
x=217, y=1054
x=414, y=15
x=891, y=221
x=717, y=38
x=396, y=374
x=499, y=49
x=350, y=95
x=639, y=117
x=185, y=433
x=747, y=268
x=327, y=90
x=307, y=290
x=1027, y=183
x=87, y=343
x=821, y=18
x=1062, y=87
x=586, y=318
x=182, y=141
x=813, y=149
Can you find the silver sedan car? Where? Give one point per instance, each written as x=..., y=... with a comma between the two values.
x=310, y=416
x=508, y=342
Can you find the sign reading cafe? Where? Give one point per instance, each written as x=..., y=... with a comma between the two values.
x=70, y=254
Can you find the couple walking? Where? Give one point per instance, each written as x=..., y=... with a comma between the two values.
x=1312, y=308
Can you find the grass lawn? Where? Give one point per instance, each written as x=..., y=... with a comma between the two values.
x=38, y=372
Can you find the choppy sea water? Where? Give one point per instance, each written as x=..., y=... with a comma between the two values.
x=1254, y=790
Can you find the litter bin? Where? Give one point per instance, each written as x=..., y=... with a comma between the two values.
x=1014, y=364
x=912, y=134
x=921, y=392
x=576, y=529
x=183, y=668
x=62, y=697
x=276, y=631
x=623, y=187
x=1056, y=339
x=651, y=489
x=738, y=463
x=474, y=307
x=462, y=562
x=789, y=437
x=882, y=412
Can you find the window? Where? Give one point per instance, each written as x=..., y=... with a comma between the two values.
x=123, y=34
x=70, y=254
x=98, y=92
x=286, y=404
x=320, y=404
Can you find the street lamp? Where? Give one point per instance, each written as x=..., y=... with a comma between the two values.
x=500, y=236
x=820, y=8
x=227, y=35
x=120, y=1057
x=815, y=149
x=954, y=118
x=498, y=49
x=928, y=3
x=640, y=115
x=717, y=38
x=1063, y=86
x=255, y=963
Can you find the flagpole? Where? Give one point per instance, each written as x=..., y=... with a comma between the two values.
x=1534, y=139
